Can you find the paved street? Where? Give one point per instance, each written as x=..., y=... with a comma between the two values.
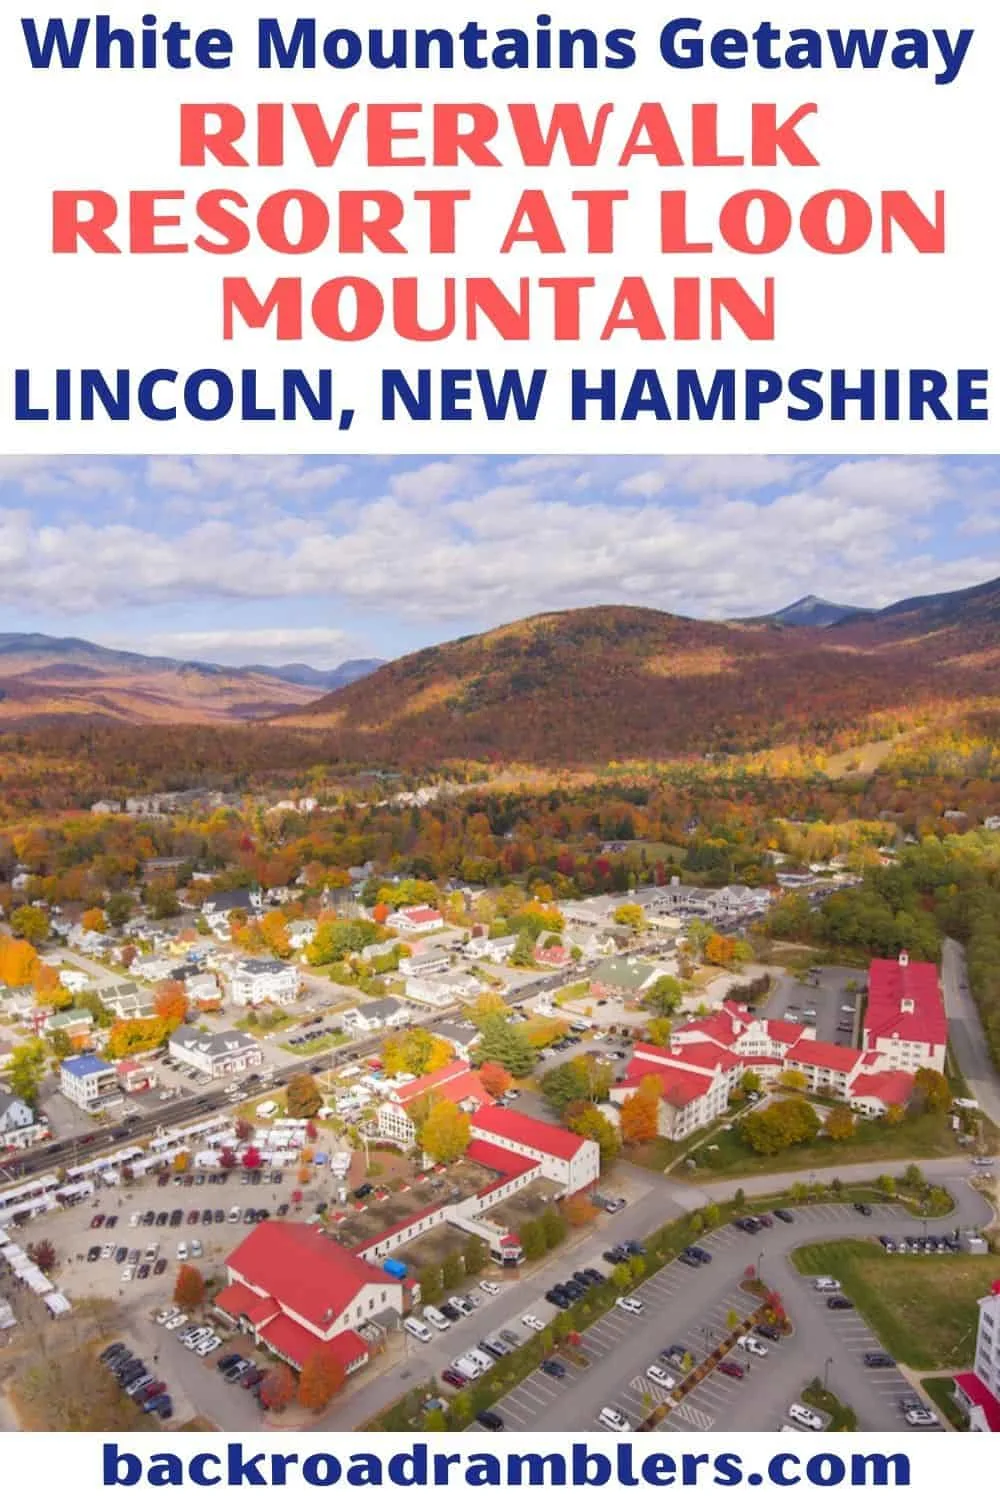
x=965, y=1032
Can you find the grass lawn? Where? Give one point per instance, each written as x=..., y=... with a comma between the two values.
x=941, y=1390
x=921, y=1137
x=923, y=1308
x=842, y=1418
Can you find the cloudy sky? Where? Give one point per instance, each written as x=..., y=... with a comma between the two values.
x=273, y=560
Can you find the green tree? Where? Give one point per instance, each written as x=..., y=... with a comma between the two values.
x=663, y=996
x=26, y=1070
x=430, y=1284
x=913, y=1179
x=787, y=1122
x=474, y=1255
x=118, y=908
x=553, y=1228
x=750, y=1082
x=713, y=1216
x=584, y=1078
x=886, y=1185
x=452, y=1272
x=506, y=1044
x=30, y=923
x=532, y=1235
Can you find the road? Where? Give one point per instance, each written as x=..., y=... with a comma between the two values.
x=965, y=1032
x=69, y=1150
x=663, y=1201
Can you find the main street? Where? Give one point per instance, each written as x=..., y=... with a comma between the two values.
x=965, y=1032
x=664, y=1200
x=70, y=1150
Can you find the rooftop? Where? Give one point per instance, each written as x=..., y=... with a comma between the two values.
x=521, y=1130
x=85, y=1067
x=304, y=1270
x=904, y=1000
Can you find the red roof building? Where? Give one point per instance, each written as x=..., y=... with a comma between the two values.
x=568, y=1159
x=880, y=1090
x=982, y=1406
x=297, y=1291
x=905, y=1017
x=456, y=1081
x=695, y=1082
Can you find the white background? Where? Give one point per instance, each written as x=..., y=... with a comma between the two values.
x=876, y=130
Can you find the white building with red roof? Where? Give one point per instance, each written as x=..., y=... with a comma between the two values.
x=417, y=919
x=297, y=1292
x=978, y=1389
x=695, y=1079
x=905, y=1018
x=566, y=1158
x=456, y=1081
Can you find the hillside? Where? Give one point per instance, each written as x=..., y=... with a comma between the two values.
x=44, y=677
x=611, y=683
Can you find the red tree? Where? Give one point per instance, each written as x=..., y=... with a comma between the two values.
x=252, y=1158
x=227, y=1158
x=495, y=1079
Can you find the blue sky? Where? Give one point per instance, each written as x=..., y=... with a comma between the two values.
x=280, y=559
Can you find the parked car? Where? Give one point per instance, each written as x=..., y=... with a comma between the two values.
x=453, y=1378
x=752, y=1345
x=865, y=1209
x=839, y=1304
x=630, y=1305
x=732, y=1368
x=661, y=1377
x=805, y=1416
x=554, y=1368
x=614, y=1419
x=877, y=1359
x=530, y=1321
x=490, y=1421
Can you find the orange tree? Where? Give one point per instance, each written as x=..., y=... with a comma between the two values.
x=189, y=1288
x=322, y=1377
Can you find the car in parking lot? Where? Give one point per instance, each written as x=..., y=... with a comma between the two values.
x=768, y=1331
x=94, y=1253
x=614, y=1419
x=677, y=1355
x=630, y=1305
x=694, y=1255
x=785, y=1215
x=554, y=1368
x=752, y=1345
x=805, y=1416
x=530, y=1321
x=491, y=1288
x=661, y=1377
x=865, y=1209
x=490, y=1421
x=732, y=1368
x=877, y=1359
x=453, y=1378
x=418, y=1330
x=839, y=1304
x=825, y=1284
x=921, y=1416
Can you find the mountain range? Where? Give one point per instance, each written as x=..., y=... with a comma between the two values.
x=592, y=685
x=44, y=677
x=573, y=687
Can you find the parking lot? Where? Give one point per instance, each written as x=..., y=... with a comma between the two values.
x=694, y=1308
x=824, y=1002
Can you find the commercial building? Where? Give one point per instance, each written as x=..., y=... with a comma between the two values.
x=89, y=1082
x=978, y=1389
x=905, y=1019
x=567, y=1159
x=219, y=1054
x=298, y=1293
x=456, y=1081
x=263, y=981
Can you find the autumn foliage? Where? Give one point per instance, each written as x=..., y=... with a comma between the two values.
x=322, y=1377
x=495, y=1079
x=189, y=1288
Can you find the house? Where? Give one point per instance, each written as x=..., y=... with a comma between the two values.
x=297, y=1292
x=125, y=1000
x=905, y=1018
x=263, y=981
x=872, y=1093
x=556, y=957
x=461, y=1036
x=74, y=981
x=203, y=988
x=75, y=1024
x=150, y=968
x=89, y=1082
x=695, y=1081
x=455, y=1081
x=417, y=920
x=218, y=1054
x=978, y=1390
x=375, y=1015
x=444, y=991
x=17, y=1120
x=424, y=965
x=224, y=903
x=564, y=1157
x=301, y=934
x=18, y=1001
x=493, y=950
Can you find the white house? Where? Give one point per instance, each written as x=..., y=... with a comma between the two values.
x=425, y=965
x=444, y=991
x=375, y=1015
x=418, y=920
x=263, y=981
x=218, y=1054
x=17, y=1120
x=74, y=981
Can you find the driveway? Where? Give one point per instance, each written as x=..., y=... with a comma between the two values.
x=965, y=1032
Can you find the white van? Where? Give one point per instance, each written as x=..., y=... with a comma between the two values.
x=806, y=1417
x=418, y=1330
x=477, y=1357
x=466, y=1367
x=436, y=1319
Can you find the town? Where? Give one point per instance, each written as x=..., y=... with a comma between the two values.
x=364, y=1146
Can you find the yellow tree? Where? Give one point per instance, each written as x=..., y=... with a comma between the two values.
x=445, y=1133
